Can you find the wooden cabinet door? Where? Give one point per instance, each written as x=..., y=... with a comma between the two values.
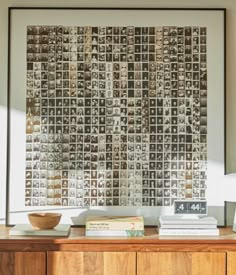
x=91, y=263
x=22, y=263
x=231, y=263
x=181, y=263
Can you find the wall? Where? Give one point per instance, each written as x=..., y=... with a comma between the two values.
x=230, y=5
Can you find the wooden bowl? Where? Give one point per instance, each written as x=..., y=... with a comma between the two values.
x=44, y=220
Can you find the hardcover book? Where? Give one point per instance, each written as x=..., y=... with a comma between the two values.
x=180, y=220
x=114, y=233
x=188, y=232
x=115, y=223
x=187, y=226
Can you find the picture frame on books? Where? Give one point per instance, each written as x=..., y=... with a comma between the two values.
x=114, y=111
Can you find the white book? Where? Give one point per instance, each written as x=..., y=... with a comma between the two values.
x=189, y=232
x=188, y=226
x=114, y=233
x=28, y=230
x=196, y=220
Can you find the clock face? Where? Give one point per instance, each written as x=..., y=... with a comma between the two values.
x=190, y=207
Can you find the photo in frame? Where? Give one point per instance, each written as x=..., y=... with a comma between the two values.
x=115, y=111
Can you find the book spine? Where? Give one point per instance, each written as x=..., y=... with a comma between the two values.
x=186, y=221
x=118, y=233
x=114, y=226
x=190, y=232
x=188, y=226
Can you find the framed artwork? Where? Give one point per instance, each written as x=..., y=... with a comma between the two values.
x=114, y=111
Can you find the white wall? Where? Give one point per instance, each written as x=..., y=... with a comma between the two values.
x=230, y=5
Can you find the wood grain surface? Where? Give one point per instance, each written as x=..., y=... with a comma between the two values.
x=151, y=242
x=231, y=263
x=91, y=263
x=172, y=263
x=148, y=255
x=22, y=263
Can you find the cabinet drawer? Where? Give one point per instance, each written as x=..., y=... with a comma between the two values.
x=181, y=263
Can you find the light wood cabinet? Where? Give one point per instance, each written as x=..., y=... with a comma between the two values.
x=181, y=263
x=91, y=263
x=148, y=255
x=231, y=263
x=22, y=263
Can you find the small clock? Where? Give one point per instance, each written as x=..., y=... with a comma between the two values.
x=193, y=207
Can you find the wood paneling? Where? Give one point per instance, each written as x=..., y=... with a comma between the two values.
x=231, y=263
x=91, y=263
x=7, y=260
x=22, y=263
x=64, y=263
x=117, y=263
x=208, y=263
x=172, y=263
x=81, y=255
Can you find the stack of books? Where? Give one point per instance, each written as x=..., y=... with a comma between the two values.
x=128, y=226
x=187, y=226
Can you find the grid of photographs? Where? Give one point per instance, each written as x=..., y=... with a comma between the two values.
x=115, y=116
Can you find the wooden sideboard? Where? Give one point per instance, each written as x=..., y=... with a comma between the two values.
x=148, y=255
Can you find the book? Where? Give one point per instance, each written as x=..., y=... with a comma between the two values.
x=188, y=226
x=114, y=233
x=28, y=230
x=117, y=223
x=188, y=232
x=180, y=220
